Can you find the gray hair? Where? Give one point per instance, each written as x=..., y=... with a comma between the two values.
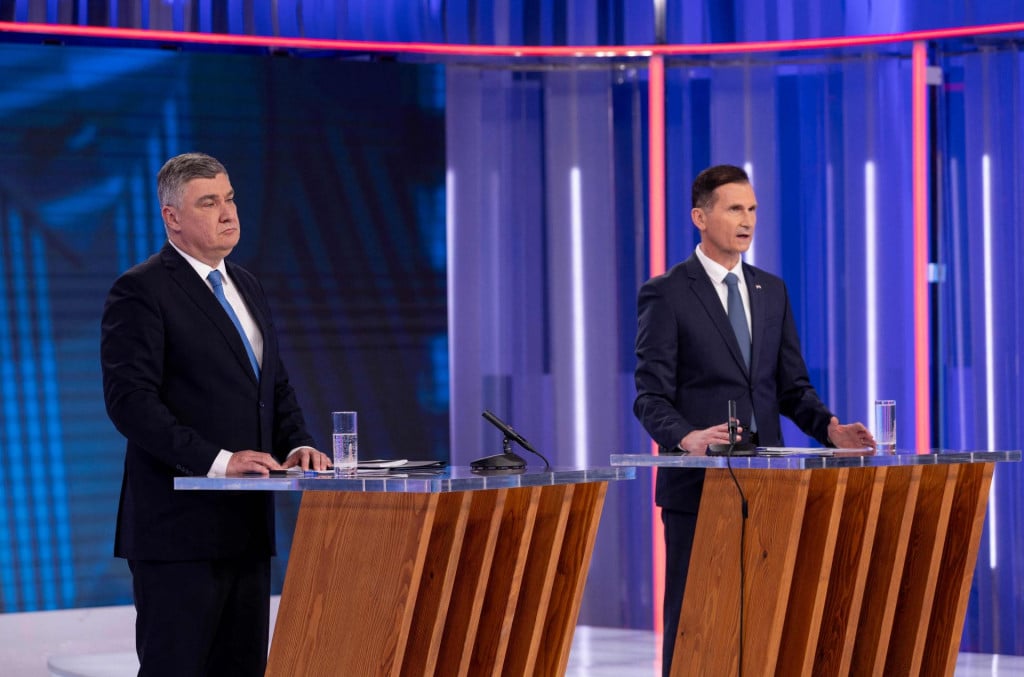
x=179, y=170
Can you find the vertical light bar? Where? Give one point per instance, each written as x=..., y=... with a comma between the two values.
x=579, y=344
x=749, y=257
x=449, y=228
x=871, y=282
x=990, y=362
x=657, y=252
x=919, y=122
x=990, y=366
x=656, y=165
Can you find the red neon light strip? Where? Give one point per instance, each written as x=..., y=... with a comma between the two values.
x=919, y=163
x=591, y=51
x=656, y=266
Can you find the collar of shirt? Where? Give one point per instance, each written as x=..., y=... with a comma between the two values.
x=234, y=297
x=717, y=273
x=202, y=269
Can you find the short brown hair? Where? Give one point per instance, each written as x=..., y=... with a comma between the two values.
x=703, y=192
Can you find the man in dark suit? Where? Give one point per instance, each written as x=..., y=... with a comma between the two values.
x=192, y=378
x=690, y=363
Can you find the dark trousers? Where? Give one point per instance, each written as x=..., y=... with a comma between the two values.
x=204, y=617
x=679, y=530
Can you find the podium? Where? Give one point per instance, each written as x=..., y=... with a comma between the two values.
x=420, y=574
x=854, y=565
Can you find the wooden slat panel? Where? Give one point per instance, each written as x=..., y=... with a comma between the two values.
x=436, y=584
x=502, y=591
x=810, y=581
x=960, y=554
x=920, y=574
x=571, y=577
x=887, y=559
x=474, y=571
x=709, y=623
x=849, y=571
x=330, y=598
x=538, y=577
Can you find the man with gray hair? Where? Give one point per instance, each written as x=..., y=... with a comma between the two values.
x=193, y=379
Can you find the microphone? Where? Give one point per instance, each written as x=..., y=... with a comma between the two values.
x=735, y=446
x=507, y=459
x=508, y=431
x=733, y=423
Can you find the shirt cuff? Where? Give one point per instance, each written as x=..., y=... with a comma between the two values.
x=304, y=446
x=219, y=468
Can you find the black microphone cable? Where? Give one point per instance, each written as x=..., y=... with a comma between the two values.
x=743, y=541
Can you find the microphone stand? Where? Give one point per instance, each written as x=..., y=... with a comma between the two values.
x=506, y=460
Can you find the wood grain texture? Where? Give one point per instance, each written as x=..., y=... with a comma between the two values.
x=810, y=580
x=475, y=563
x=960, y=552
x=921, y=571
x=849, y=571
x=538, y=577
x=709, y=623
x=571, y=577
x=895, y=519
x=327, y=602
x=868, y=570
x=436, y=583
x=482, y=582
x=502, y=591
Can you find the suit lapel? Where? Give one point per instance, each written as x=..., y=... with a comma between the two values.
x=754, y=293
x=705, y=291
x=186, y=278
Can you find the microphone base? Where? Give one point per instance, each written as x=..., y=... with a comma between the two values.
x=738, y=449
x=506, y=461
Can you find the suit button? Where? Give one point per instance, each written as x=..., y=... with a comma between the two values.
x=262, y=405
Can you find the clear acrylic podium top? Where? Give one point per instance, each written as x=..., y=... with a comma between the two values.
x=455, y=478
x=811, y=461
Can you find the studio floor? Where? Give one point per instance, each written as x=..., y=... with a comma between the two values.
x=98, y=642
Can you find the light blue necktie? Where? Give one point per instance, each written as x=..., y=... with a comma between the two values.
x=738, y=317
x=738, y=320
x=218, y=290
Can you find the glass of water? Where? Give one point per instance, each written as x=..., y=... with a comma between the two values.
x=346, y=442
x=885, y=426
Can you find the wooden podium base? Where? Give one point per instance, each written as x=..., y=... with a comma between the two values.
x=849, y=571
x=460, y=583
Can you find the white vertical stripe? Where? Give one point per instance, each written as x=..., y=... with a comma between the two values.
x=990, y=365
x=749, y=257
x=871, y=292
x=449, y=233
x=579, y=347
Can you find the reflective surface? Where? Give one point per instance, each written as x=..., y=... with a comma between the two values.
x=810, y=461
x=458, y=478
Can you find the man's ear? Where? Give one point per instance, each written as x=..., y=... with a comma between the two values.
x=697, y=216
x=170, y=217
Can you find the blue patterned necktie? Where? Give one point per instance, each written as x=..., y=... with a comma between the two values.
x=738, y=320
x=218, y=290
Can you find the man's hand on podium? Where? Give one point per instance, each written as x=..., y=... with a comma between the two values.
x=850, y=435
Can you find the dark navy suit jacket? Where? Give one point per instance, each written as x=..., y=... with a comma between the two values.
x=689, y=366
x=179, y=386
